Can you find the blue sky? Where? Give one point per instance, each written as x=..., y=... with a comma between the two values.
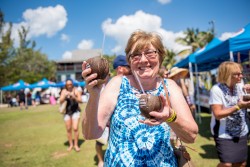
x=61, y=26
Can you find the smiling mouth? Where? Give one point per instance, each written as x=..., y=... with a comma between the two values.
x=144, y=68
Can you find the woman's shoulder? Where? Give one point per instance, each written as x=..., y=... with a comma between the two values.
x=215, y=87
x=116, y=79
x=170, y=83
x=63, y=90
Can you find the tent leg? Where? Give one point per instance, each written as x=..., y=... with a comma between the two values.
x=198, y=93
x=231, y=56
x=192, y=82
x=1, y=98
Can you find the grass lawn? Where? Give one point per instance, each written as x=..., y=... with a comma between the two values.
x=37, y=138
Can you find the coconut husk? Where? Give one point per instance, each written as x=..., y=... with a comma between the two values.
x=148, y=103
x=99, y=65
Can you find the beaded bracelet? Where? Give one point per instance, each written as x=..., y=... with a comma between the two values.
x=173, y=117
x=237, y=107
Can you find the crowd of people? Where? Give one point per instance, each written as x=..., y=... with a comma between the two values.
x=23, y=98
x=113, y=114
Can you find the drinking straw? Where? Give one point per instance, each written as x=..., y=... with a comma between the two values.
x=103, y=41
x=138, y=80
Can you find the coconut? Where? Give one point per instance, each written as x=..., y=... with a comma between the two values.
x=148, y=103
x=246, y=97
x=99, y=65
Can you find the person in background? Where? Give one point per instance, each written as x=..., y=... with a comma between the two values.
x=133, y=139
x=72, y=115
x=121, y=67
x=8, y=100
x=163, y=72
x=228, y=122
x=33, y=97
x=21, y=98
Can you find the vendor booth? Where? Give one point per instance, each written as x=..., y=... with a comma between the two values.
x=236, y=48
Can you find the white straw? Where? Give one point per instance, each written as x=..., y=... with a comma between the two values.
x=103, y=41
x=138, y=80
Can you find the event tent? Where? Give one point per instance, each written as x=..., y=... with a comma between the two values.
x=216, y=52
x=192, y=57
x=226, y=50
x=44, y=84
x=16, y=86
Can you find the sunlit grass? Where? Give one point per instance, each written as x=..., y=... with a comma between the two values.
x=37, y=138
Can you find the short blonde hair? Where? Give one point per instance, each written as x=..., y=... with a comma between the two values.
x=225, y=71
x=141, y=40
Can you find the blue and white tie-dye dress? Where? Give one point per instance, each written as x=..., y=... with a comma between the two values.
x=132, y=143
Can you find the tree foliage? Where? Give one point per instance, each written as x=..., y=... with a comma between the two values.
x=195, y=38
x=22, y=62
x=169, y=59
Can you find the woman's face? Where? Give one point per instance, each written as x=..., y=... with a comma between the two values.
x=145, y=63
x=69, y=85
x=237, y=77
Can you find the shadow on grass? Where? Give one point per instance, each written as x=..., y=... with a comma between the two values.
x=80, y=142
x=210, y=152
x=204, y=126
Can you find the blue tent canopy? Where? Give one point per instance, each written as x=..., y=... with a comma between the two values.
x=16, y=86
x=192, y=57
x=44, y=83
x=240, y=43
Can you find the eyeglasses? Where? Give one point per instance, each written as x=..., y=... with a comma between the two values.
x=149, y=54
x=238, y=74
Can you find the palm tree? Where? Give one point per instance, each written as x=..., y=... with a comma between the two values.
x=169, y=60
x=196, y=39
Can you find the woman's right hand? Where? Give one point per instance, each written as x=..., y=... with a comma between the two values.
x=90, y=79
x=243, y=104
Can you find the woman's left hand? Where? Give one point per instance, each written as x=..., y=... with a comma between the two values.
x=159, y=116
x=246, y=87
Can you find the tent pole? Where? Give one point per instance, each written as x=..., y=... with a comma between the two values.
x=238, y=57
x=231, y=56
x=198, y=93
x=249, y=57
x=192, y=82
x=1, y=98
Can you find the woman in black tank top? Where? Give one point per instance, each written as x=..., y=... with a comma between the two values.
x=72, y=115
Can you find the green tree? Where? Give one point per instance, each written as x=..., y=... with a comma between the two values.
x=169, y=59
x=195, y=38
x=7, y=50
x=30, y=64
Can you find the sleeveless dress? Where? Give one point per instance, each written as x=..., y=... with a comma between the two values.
x=132, y=143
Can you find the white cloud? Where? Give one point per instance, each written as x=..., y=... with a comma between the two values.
x=226, y=35
x=121, y=29
x=41, y=21
x=85, y=44
x=65, y=38
x=45, y=21
x=67, y=55
x=164, y=1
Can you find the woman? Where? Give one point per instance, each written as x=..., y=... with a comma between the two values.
x=134, y=140
x=72, y=115
x=228, y=122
